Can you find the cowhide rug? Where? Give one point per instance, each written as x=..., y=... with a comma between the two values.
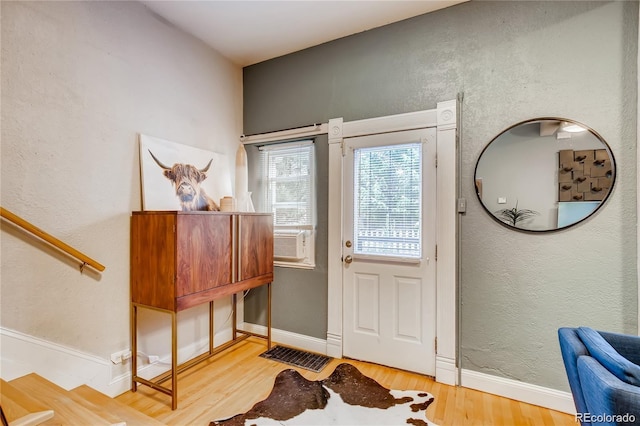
x=347, y=397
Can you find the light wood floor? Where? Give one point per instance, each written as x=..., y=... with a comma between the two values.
x=233, y=381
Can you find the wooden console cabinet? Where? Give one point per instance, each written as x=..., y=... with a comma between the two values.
x=183, y=259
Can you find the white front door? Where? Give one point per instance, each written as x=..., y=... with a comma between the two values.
x=389, y=270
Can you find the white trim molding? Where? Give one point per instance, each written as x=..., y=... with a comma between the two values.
x=520, y=391
x=447, y=243
x=444, y=118
x=446, y=370
x=334, y=244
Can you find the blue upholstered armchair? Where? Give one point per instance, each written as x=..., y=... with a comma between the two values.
x=604, y=375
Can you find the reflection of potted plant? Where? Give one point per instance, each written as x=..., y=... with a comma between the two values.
x=513, y=216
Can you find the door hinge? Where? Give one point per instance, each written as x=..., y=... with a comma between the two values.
x=436, y=256
x=436, y=344
x=436, y=161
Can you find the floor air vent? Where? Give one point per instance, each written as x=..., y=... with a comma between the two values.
x=297, y=358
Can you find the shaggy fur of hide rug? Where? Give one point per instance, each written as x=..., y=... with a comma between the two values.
x=346, y=397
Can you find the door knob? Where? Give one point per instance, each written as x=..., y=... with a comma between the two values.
x=348, y=259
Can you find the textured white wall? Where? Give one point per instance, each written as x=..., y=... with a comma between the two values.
x=80, y=80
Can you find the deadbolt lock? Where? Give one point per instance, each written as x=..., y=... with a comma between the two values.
x=348, y=243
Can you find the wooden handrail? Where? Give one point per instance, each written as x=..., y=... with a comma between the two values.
x=86, y=260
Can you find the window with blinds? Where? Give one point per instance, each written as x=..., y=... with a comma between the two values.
x=388, y=201
x=289, y=194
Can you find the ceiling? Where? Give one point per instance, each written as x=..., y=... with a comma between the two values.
x=250, y=31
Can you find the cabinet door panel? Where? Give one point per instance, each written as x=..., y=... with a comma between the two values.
x=204, y=252
x=153, y=260
x=256, y=245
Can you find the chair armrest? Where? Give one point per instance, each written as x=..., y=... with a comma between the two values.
x=625, y=344
x=571, y=348
x=606, y=395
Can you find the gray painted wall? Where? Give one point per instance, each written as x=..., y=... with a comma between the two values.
x=513, y=61
x=299, y=295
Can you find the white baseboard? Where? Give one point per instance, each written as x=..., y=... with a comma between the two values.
x=66, y=367
x=520, y=391
x=300, y=341
x=70, y=368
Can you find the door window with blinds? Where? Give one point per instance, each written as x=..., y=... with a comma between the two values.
x=388, y=201
x=289, y=194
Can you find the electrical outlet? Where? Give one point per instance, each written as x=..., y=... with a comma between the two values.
x=116, y=357
x=120, y=357
x=153, y=359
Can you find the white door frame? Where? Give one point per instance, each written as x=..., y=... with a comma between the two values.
x=444, y=118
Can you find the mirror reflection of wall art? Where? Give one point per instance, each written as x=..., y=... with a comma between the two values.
x=544, y=174
x=181, y=177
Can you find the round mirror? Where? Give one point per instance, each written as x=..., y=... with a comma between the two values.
x=544, y=174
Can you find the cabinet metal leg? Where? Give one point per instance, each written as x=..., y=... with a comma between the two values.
x=211, y=328
x=234, y=314
x=134, y=347
x=172, y=375
x=174, y=361
x=269, y=316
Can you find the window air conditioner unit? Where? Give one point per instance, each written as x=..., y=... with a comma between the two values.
x=288, y=245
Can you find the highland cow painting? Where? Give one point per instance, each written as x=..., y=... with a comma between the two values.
x=181, y=177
